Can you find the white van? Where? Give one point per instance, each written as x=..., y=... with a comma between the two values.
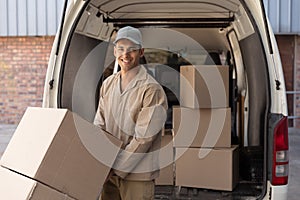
x=233, y=33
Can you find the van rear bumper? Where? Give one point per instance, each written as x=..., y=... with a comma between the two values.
x=276, y=192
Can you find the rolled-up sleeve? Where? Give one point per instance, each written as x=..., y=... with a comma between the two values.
x=149, y=123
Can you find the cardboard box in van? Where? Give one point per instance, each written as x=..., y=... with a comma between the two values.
x=201, y=127
x=62, y=150
x=209, y=168
x=166, y=174
x=204, y=86
x=18, y=187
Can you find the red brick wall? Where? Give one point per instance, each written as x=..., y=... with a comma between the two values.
x=297, y=86
x=286, y=45
x=289, y=48
x=23, y=65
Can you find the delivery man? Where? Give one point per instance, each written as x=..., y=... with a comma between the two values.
x=132, y=107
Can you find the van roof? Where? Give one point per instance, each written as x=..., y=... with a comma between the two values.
x=131, y=9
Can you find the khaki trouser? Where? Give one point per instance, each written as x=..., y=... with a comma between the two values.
x=118, y=189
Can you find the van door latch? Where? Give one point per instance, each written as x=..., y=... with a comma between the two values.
x=277, y=84
x=51, y=83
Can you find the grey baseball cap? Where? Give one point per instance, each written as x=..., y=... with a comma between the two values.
x=130, y=33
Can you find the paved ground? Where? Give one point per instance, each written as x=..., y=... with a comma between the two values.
x=6, y=132
x=294, y=173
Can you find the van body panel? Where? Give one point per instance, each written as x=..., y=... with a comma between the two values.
x=278, y=105
x=276, y=192
x=55, y=61
x=234, y=27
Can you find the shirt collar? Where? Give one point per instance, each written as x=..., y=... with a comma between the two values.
x=141, y=75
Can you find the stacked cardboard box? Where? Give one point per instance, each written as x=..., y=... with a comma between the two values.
x=58, y=149
x=201, y=127
x=210, y=168
x=202, y=130
x=204, y=86
x=166, y=160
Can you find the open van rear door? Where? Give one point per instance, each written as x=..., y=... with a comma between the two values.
x=59, y=35
x=257, y=10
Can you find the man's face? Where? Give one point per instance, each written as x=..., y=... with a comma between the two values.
x=127, y=54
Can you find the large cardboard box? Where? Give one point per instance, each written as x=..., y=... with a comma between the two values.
x=60, y=149
x=166, y=160
x=14, y=186
x=202, y=127
x=204, y=86
x=166, y=176
x=207, y=168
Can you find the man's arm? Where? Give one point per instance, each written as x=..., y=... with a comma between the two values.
x=149, y=123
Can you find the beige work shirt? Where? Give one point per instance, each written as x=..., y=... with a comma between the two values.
x=135, y=116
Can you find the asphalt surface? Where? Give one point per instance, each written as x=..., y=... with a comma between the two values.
x=6, y=132
x=294, y=171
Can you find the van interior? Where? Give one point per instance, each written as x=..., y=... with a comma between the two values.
x=178, y=33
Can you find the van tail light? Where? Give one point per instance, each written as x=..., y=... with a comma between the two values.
x=280, y=153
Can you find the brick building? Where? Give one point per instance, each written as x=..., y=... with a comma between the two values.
x=23, y=66
x=289, y=47
x=284, y=18
x=27, y=30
